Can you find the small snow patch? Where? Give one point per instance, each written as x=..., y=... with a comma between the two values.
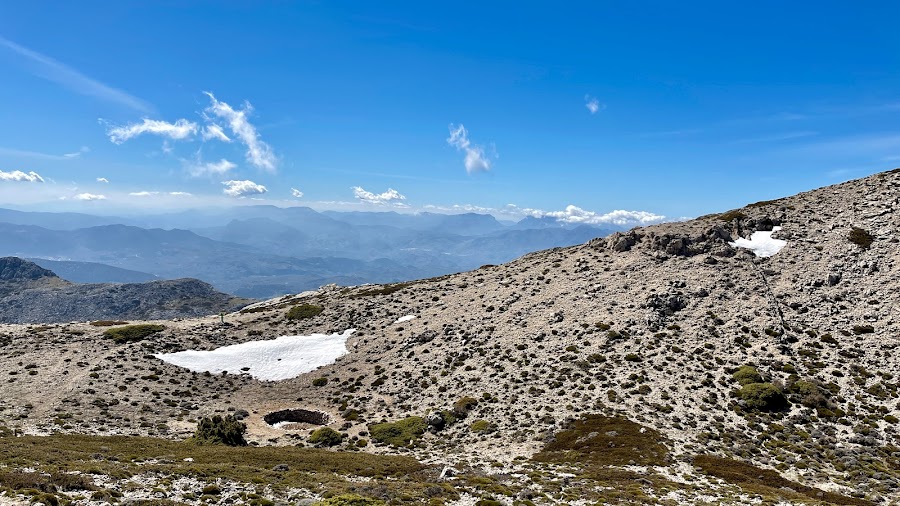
x=405, y=318
x=761, y=243
x=273, y=360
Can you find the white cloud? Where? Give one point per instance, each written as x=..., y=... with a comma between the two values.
x=154, y=194
x=391, y=196
x=214, y=132
x=21, y=153
x=258, y=152
x=211, y=168
x=575, y=214
x=89, y=197
x=296, y=193
x=102, y=180
x=475, y=160
x=180, y=130
x=143, y=194
x=76, y=154
x=18, y=175
x=593, y=105
x=242, y=188
x=181, y=194
x=52, y=70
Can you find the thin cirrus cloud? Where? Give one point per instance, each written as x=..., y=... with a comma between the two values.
x=296, y=193
x=180, y=130
x=223, y=166
x=153, y=194
x=243, y=188
x=475, y=160
x=259, y=154
x=391, y=196
x=102, y=180
x=47, y=68
x=593, y=105
x=89, y=197
x=214, y=132
x=21, y=177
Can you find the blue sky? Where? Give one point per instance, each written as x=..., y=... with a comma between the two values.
x=659, y=108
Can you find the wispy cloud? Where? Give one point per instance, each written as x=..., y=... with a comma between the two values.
x=88, y=197
x=19, y=176
x=391, y=196
x=785, y=136
x=22, y=153
x=77, y=154
x=102, y=180
x=47, y=68
x=198, y=168
x=180, y=130
x=296, y=193
x=242, y=188
x=214, y=132
x=259, y=154
x=475, y=160
x=156, y=193
x=593, y=105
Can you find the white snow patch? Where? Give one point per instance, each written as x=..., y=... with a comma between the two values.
x=406, y=318
x=273, y=360
x=761, y=243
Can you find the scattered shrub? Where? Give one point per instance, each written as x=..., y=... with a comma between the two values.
x=325, y=436
x=763, y=397
x=349, y=500
x=304, y=311
x=732, y=215
x=860, y=237
x=863, y=329
x=108, y=323
x=481, y=427
x=132, y=333
x=747, y=375
x=221, y=431
x=399, y=433
x=462, y=406
x=320, y=382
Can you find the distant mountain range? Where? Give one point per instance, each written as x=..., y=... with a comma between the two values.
x=265, y=251
x=31, y=294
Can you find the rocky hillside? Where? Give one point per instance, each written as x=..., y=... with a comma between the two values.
x=662, y=365
x=31, y=294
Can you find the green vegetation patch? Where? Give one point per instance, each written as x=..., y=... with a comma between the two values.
x=399, y=433
x=349, y=500
x=763, y=397
x=605, y=441
x=303, y=311
x=746, y=375
x=860, y=237
x=481, y=427
x=108, y=323
x=220, y=431
x=133, y=333
x=123, y=456
x=767, y=482
x=325, y=436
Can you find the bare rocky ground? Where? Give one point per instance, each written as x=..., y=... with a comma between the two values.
x=647, y=327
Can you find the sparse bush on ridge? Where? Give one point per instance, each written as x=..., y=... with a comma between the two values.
x=462, y=406
x=860, y=237
x=399, y=433
x=732, y=215
x=108, y=323
x=349, y=500
x=133, y=333
x=763, y=397
x=747, y=375
x=304, y=311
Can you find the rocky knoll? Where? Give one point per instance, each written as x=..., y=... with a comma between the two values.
x=31, y=294
x=662, y=365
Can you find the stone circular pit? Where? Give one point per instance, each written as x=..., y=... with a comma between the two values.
x=297, y=416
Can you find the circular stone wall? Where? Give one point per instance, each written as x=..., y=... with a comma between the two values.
x=297, y=416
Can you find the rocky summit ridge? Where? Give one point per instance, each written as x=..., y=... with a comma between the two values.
x=659, y=365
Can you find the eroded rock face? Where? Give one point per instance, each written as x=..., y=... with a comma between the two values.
x=297, y=416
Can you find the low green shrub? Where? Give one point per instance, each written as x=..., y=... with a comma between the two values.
x=481, y=427
x=325, y=436
x=220, y=431
x=399, y=433
x=304, y=311
x=349, y=500
x=133, y=333
x=860, y=237
x=462, y=406
x=320, y=382
x=763, y=397
x=747, y=375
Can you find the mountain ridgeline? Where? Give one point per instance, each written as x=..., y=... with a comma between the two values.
x=32, y=294
x=266, y=251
